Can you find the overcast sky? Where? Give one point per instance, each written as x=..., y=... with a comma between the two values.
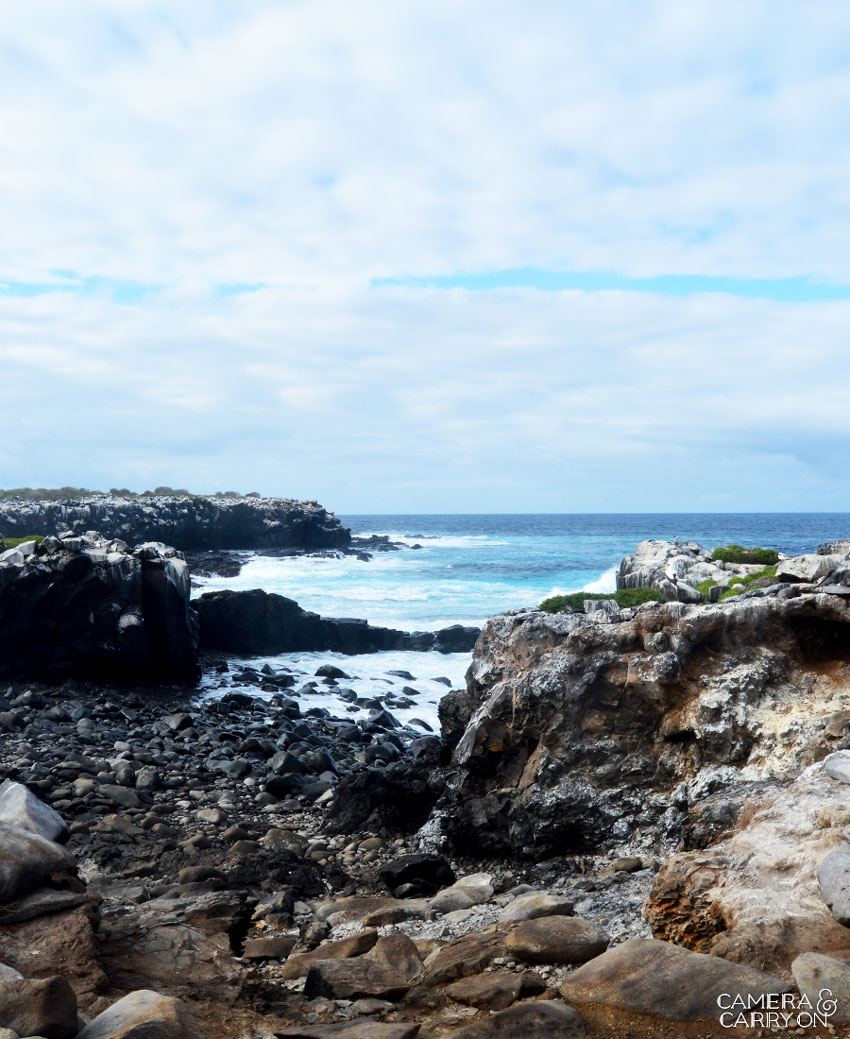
x=429, y=256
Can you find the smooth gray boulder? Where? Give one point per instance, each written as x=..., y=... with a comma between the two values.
x=20, y=807
x=808, y=568
x=814, y=973
x=533, y=904
x=834, y=880
x=141, y=1015
x=27, y=862
x=666, y=981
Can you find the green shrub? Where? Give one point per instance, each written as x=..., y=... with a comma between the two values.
x=742, y=584
x=7, y=543
x=704, y=587
x=737, y=554
x=624, y=598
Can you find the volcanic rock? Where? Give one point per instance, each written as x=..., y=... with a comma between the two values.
x=191, y=523
x=84, y=607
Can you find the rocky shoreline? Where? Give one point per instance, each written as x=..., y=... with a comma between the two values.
x=189, y=523
x=627, y=814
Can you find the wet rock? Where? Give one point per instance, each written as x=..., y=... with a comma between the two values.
x=354, y=979
x=555, y=940
x=664, y=980
x=141, y=1015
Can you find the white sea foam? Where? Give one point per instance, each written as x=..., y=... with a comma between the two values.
x=369, y=675
x=606, y=583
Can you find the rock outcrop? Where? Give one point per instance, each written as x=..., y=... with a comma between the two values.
x=756, y=897
x=87, y=607
x=675, y=568
x=579, y=735
x=190, y=523
x=257, y=623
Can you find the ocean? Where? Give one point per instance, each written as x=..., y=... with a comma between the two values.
x=468, y=567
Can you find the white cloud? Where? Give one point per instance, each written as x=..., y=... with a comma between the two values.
x=315, y=146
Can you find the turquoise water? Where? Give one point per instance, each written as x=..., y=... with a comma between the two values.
x=471, y=567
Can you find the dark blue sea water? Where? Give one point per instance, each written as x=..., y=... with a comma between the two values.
x=468, y=568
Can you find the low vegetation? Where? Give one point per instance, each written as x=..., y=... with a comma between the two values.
x=737, y=554
x=66, y=493
x=7, y=543
x=760, y=579
x=575, y=601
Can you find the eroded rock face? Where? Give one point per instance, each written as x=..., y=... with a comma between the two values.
x=189, y=523
x=85, y=607
x=581, y=736
x=755, y=898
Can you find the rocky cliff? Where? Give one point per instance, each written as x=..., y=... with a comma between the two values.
x=88, y=607
x=188, y=523
x=585, y=733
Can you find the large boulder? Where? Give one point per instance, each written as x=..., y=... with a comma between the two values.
x=811, y=568
x=141, y=1015
x=85, y=607
x=663, y=980
x=45, y=1008
x=574, y=736
x=28, y=861
x=190, y=522
x=20, y=807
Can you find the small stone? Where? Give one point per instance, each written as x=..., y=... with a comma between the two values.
x=534, y=904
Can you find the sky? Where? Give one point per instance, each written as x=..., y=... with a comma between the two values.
x=429, y=256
